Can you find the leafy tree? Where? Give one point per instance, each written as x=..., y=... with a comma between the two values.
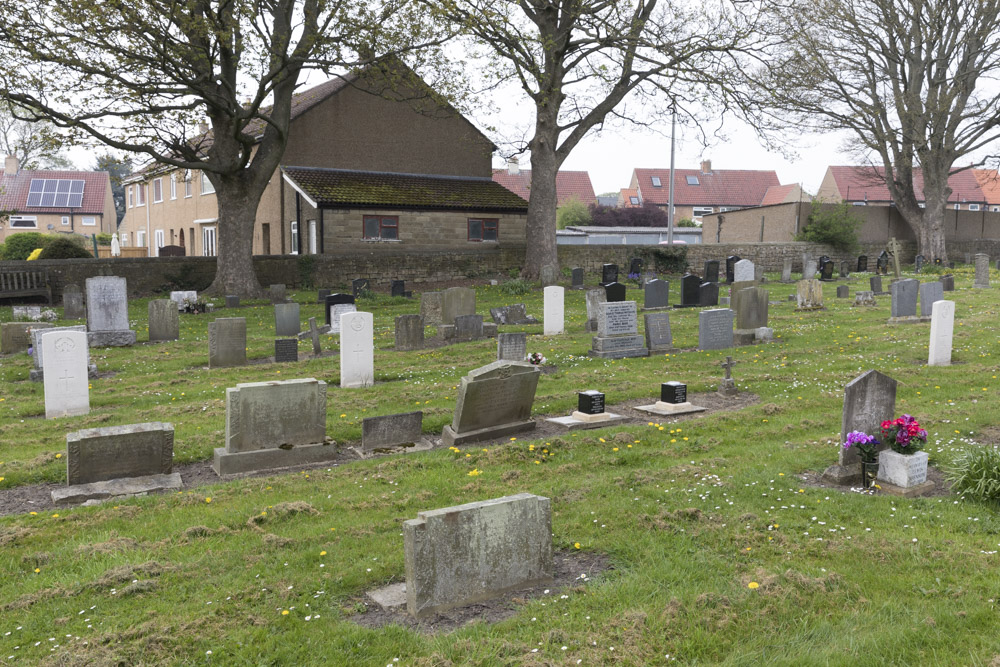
x=138, y=77
x=118, y=168
x=573, y=212
x=835, y=225
x=36, y=145
x=647, y=215
x=911, y=81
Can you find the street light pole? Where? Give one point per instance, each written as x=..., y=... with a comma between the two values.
x=670, y=196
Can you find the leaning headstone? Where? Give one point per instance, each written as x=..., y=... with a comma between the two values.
x=862, y=263
x=942, y=330
x=982, y=279
x=866, y=298
x=904, y=301
x=929, y=294
x=493, y=401
x=183, y=299
x=274, y=424
x=107, y=312
x=809, y=295
x=786, y=270
x=409, y=332
x=843, y=291
x=164, y=323
x=277, y=293
x=711, y=271
x=286, y=350
x=609, y=274
x=37, y=373
x=594, y=298
x=67, y=387
x=808, y=268
x=430, y=308
x=743, y=271
x=618, y=332
x=614, y=292
x=875, y=283
x=948, y=282
x=715, y=329
x=227, y=342
x=286, y=319
x=577, y=278
x=553, y=320
x=708, y=294
x=469, y=553
x=388, y=431
x=657, y=331
x=656, y=295
x=512, y=346
x=232, y=301
x=457, y=301
x=731, y=267
x=337, y=305
x=16, y=336
x=690, y=291
x=357, y=350
x=673, y=401
x=869, y=399
x=73, y=303
x=360, y=287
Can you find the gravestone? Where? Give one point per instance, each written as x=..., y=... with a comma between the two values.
x=617, y=332
x=869, y=399
x=862, y=263
x=758, y=274
x=656, y=295
x=942, y=330
x=577, y=278
x=465, y=328
x=389, y=431
x=882, y=263
x=743, y=271
x=918, y=263
x=397, y=288
x=430, y=308
x=27, y=313
x=468, y=553
x=16, y=336
x=673, y=401
x=751, y=313
x=594, y=298
x=286, y=319
x=904, y=300
x=635, y=267
x=456, y=301
x=274, y=425
x=409, y=332
x=360, y=287
x=322, y=294
x=808, y=267
x=968, y=258
x=947, y=283
x=690, y=291
x=982, y=279
x=708, y=294
x=929, y=293
x=590, y=402
x=232, y=301
x=513, y=314
x=164, y=323
x=512, y=346
x=591, y=412
x=553, y=321
x=67, y=387
x=277, y=293
x=809, y=295
x=337, y=305
x=227, y=342
x=727, y=387
x=875, y=283
x=657, y=332
x=843, y=291
x=286, y=350
x=313, y=334
x=845, y=268
x=823, y=259
x=609, y=274
x=731, y=267
x=826, y=270
x=864, y=299
x=183, y=299
x=493, y=401
x=786, y=270
x=73, y=303
x=715, y=329
x=357, y=350
x=711, y=271
x=614, y=292
x=37, y=373
x=107, y=312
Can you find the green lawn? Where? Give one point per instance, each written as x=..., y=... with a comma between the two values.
x=208, y=576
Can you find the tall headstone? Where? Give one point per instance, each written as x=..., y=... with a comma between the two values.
x=942, y=330
x=16, y=336
x=882, y=263
x=690, y=291
x=614, y=292
x=277, y=293
x=845, y=268
x=357, y=350
x=826, y=270
x=635, y=267
x=337, y=305
x=37, y=373
x=493, y=401
x=286, y=319
x=715, y=329
x=982, y=279
x=731, y=267
x=227, y=342
x=457, y=301
x=743, y=270
x=808, y=267
x=786, y=270
x=711, y=271
x=107, y=312
x=430, y=308
x=164, y=323
x=609, y=273
x=708, y=294
x=73, y=303
x=657, y=331
x=929, y=294
x=656, y=295
x=618, y=332
x=512, y=346
x=751, y=308
x=948, y=282
x=904, y=299
x=409, y=332
x=862, y=263
x=869, y=399
x=554, y=319
x=67, y=387
x=577, y=274
x=809, y=294
x=918, y=263
x=875, y=283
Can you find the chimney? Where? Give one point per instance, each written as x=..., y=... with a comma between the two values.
x=11, y=165
x=513, y=168
x=706, y=166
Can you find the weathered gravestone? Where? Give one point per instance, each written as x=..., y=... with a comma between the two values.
x=274, y=425
x=390, y=431
x=430, y=308
x=67, y=387
x=809, y=295
x=690, y=291
x=73, y=303
x=277, y=293
x=465, y=328
x=882, y=263
x=313, y=334
x=456, y=301
x=929, y=294
x=864, y=299
x=862, y=263
x=360, y=287
x=875, y=284
x=286, y=350
x=758, y=274
x=947, y=283
x=708, y=294
x=843, y=291
x=715, y=329
x=409, y=332
x=357, y=350
x=614, y=292
x=845, y=268
x=594, y=298
x=164, y=323
x=751, y=304
x=322, y=294
x=513, y=314
x=577, y=279
x=227, y=342
x=657, y=331
x=16, y=336
x=512, y=346
x=942, y=331
x=37, y=373
x=982, y=279
x=786, y=270
x=904, y=301
x=118, y=461
x=553, y=320
x=656, y=295
x=286, y=319
x=27, y=313
x=808, y=267
x=618, y=332
x=459, y=555
x=869, y=399
x=337, y=305
x=918, y=263
x=493, y=401
x=609, y=274
x=183, y=299
x=743, y=270
x=731, y=267
x=673, y=401
x=232, y=301
x=711, y=271
x=107, y=312
x=727, y=387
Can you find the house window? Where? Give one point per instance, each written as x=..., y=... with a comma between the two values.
x=206, y=185
x=24, y=222
x=140, y=194
x=293, y=227
x=187, y=182
x=157, y=190
x=140, y=239
x=633, y=200
x=128, y=191
x=861, y=203
x=123, y=239
x=723, y=209
x=483, y=229
x=973, y=207
x=381, y=227
x=693, y=180
x=208, y=241
x=65, y=219
x=89, y=221
x=656, y=182
x=173, y=186
x=958, y=207
x=699, y=211
x=995, y=209
x=158, y=235
x=921, y=204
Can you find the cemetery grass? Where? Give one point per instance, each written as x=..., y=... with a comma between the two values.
x=720, y=554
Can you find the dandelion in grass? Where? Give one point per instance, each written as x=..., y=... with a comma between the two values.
x=753, y=585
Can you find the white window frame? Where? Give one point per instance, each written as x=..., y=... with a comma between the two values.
x=692, y=180
x=633, y=200
x=187, y=183
x=123, y=239
x=158, y=240
x=65, y=220
x=293, y=228
x=91, y=218
x=701, y=211
x=173, y=185
x=973, y=207
x=312, y=237
x=862, y=203
x=958, y=207
x=208, y=241
x=206, y=185
x=140, y=194
x=656, y=182
x=23, y=218
x=140, y=238
x=157, y=190
x=128, y=193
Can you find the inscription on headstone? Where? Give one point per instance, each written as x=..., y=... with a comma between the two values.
x=286, y=350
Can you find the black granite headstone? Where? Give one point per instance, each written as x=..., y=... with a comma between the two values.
x=609, y=274
x=882, y=263
x=322, y=294
x=635, y=267
x=690, y=291
x=673, y=393
x=590, y=402
x=708, y=294
x=862, y=263
x=333, y=300
x=577, y=277
x=614, y=291
x=285, y=350
x=731, y=267
x=712, y=271
x=826, y=270
x=397, y=288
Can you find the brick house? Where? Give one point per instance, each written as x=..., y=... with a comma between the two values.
x=351, y=153
x=36, y=200
x=989, y=182
x=569, y=184
x=865, y=186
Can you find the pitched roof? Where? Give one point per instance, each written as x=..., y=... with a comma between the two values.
x=625, y=198
x=779, y=194
x=342, y=188
x=719, y=187
x=989, y=183
x=14, y=190
x=569, y=185
x=868, y=184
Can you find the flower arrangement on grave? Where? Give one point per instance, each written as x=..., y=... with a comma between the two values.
x=634, y=278
x=195, y=305
x=864, y=444
x=536, y=359
x=904, y=435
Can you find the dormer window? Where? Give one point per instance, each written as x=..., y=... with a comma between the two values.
x=634, y=200
x=693, y=180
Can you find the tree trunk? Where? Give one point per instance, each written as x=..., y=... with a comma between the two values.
x=936, y=193
x=541, y=259
x=234, y=273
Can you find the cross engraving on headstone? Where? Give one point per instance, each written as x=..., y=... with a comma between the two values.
x=314, y=333
x=65, y=378
x=893, y=249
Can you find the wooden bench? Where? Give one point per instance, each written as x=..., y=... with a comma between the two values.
x=18, y=283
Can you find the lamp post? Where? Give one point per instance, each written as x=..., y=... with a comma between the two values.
x=670, y=195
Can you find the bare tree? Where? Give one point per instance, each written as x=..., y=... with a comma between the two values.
x=138, y=76
x=35, y=145
x=912, y=80
x=579, y=60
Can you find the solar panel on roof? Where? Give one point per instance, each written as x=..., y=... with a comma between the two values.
x=55, y=192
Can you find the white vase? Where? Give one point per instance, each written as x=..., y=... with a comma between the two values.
x=902, y=470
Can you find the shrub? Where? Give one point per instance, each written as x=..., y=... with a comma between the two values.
x=686, y=222
x=307, y=270
x=20, y=245
x=104, y=239
x=665, y=259
x=515, y=287
x=573, y=212
x=647, y=215
x=975, y=473
x=836, y=226
x=64, y=248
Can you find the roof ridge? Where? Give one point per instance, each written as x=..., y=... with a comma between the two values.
x=388, y=173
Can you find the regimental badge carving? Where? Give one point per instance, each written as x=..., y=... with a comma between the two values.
x=357, y=323
x=65, y=345
x=504, y=371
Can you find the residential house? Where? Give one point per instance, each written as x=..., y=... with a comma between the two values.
x=350, y=177
x=865, y=186
x=989, y=182
x=42, y=200
x=628, y=198
x=569, y=184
